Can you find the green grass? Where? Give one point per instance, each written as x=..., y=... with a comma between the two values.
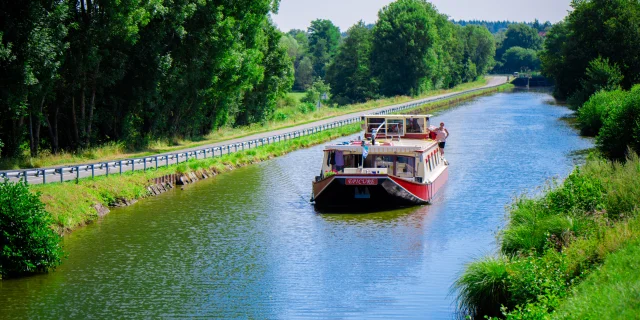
x=611, y=292
x=292, y=115
x=554, y=241
x=482, y=288
x=71, y=205
x=297, y=96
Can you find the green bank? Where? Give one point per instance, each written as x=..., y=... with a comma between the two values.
x=564, y=252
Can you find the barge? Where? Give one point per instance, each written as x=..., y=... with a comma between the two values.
x=397, y=163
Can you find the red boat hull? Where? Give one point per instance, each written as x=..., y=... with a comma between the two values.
x=375, y=190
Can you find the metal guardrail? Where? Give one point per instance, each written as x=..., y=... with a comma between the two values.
x=68, y=173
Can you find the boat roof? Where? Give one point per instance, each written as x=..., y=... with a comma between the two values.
x=398, y=116
x=402, y=146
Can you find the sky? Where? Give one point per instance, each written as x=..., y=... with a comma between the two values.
x=297, y=14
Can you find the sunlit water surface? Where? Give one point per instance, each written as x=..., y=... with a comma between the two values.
x=248, y=244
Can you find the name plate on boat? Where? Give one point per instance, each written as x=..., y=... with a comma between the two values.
x=361, y=182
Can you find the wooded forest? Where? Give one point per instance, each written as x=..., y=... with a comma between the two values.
x=80, y=73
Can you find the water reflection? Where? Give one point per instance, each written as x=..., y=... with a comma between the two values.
x=249, y=245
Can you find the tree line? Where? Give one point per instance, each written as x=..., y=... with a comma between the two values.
x=410, y=49
x=594, y=57
x=81, y=73
x=76, y=73
x=500, y=26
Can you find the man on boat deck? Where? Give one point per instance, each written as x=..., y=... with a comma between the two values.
x=441, y=136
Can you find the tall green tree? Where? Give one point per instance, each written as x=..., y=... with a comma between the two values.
x=350, y=73
x=520, y=35
x=518, y=59
x=324, y=39
x=405, y=41
x=480, y=47
x=595, y=28
x=33, y=42
x=276, y=81
x=304, y=74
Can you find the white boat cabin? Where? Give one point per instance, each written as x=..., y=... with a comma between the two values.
x=393, y=145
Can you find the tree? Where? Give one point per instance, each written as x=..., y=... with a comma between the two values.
x=350, y=72
x=404, y=54
x=518, y=59
x=621, y=128
x=553, y=62
x=324, y=38
x=304, y=74
x=520, y=35
x=480, y=47
x=34, y=35
x=595, y=28
x=600, y=75
x=317, y=91
x=290, y=43
x=276, y=82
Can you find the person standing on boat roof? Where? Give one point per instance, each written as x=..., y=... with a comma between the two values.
x=441, y=136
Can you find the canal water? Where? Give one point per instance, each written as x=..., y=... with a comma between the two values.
x=248, y=244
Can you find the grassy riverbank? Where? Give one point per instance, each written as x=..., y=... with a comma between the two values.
x=558, y=248
x=291, y=115
x=72, y=205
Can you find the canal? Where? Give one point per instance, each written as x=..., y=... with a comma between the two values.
x=247, y=244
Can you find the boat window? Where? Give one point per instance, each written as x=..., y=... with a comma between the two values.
x=374, y=123
x=429, y=163
x=406, y=166
x=395, y=127
x=384, y=162
x=351, y=160
x=415, y=125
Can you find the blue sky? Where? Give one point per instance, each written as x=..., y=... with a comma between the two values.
x=344, y=13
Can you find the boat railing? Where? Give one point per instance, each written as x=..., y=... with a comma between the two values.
x=365, y=170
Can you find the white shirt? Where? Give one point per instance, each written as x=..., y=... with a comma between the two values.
x=441, y=136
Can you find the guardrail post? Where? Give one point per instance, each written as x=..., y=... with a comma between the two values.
x=228, y=149
x=166, y=160
x=93, y=173
x=133, y=165
x=120, y=162
x=61, y=175
x=77, y=175
x=25, y=177
x=107, y=168
x=44, y=176
x=156, y=162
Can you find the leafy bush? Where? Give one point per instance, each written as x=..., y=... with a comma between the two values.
x=621, y=129
x=280, y=116
x=593, y=113
x=317, y=90
x=287, y=101
x=27, y=242
x=600, y=75
x=306, y=107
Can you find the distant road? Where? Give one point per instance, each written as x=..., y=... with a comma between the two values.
x=71, y=172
